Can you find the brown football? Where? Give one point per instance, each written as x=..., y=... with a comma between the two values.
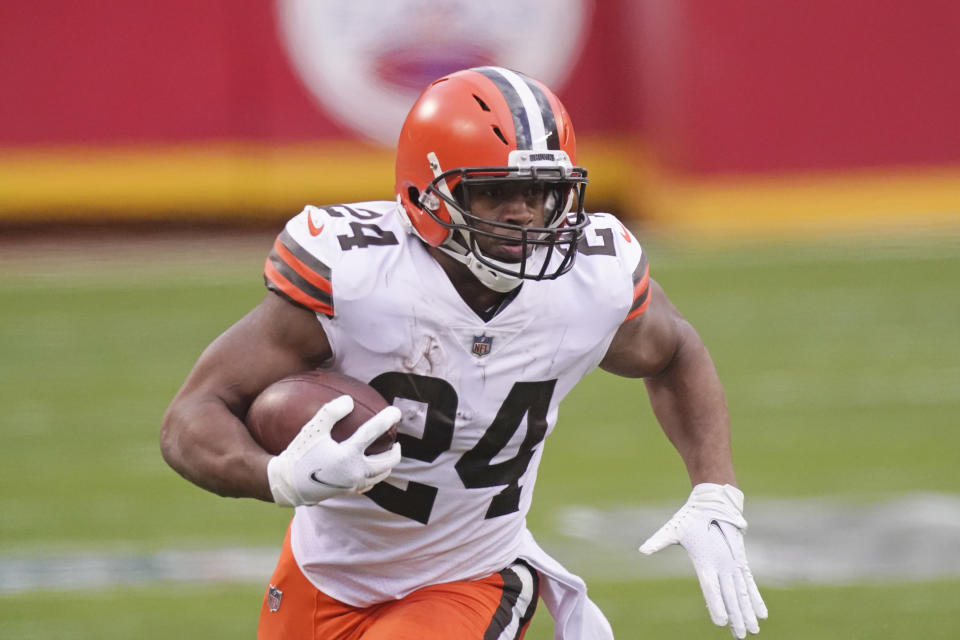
x=278, y=413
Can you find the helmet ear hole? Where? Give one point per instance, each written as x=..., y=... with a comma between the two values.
x=414, y=194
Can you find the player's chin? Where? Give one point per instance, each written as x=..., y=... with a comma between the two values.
x=505, y=251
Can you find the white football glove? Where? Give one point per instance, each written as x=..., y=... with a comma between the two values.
x=315, y=467
x=710, y=527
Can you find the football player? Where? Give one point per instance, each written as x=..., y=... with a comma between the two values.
x=473, y=303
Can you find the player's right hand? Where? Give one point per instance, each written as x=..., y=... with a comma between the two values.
x=315, y=467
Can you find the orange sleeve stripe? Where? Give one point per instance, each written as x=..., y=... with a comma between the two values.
x=638, y=311
x=302, y=270
x=642, y=285
x=290, y=290
x=641, y=296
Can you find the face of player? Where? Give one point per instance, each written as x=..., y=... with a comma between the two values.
x=520, y=204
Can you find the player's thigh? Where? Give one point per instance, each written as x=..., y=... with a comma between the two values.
x=498, y=607
x=289, y=604
x=294, y=609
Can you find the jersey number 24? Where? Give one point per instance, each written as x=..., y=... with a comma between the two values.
x=475, y=467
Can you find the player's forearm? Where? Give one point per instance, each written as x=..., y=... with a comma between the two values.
x=688, y=400
x=206, y=444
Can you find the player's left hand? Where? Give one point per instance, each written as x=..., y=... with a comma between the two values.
x=710, y=527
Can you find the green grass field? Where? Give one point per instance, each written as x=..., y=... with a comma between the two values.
x=841, y=360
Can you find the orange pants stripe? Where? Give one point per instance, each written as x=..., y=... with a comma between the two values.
x=498, y=607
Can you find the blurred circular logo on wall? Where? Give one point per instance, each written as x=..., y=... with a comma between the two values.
x=366, y=61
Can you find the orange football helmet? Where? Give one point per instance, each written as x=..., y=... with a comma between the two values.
x=482, y=125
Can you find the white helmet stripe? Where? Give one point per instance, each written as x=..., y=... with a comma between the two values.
x=531, y=129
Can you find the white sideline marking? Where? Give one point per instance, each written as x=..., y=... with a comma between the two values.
x=805, y=540
x=97, y=570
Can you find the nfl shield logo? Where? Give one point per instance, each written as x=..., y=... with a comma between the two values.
x=481, y=345
x=274, y=596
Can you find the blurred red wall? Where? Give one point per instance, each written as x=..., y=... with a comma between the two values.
x=759, y=86
x=694, y=88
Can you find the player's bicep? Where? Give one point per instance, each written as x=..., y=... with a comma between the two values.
x=273, y=340
x=645, y=344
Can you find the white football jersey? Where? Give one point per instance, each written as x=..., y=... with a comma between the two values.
x=478, y=397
